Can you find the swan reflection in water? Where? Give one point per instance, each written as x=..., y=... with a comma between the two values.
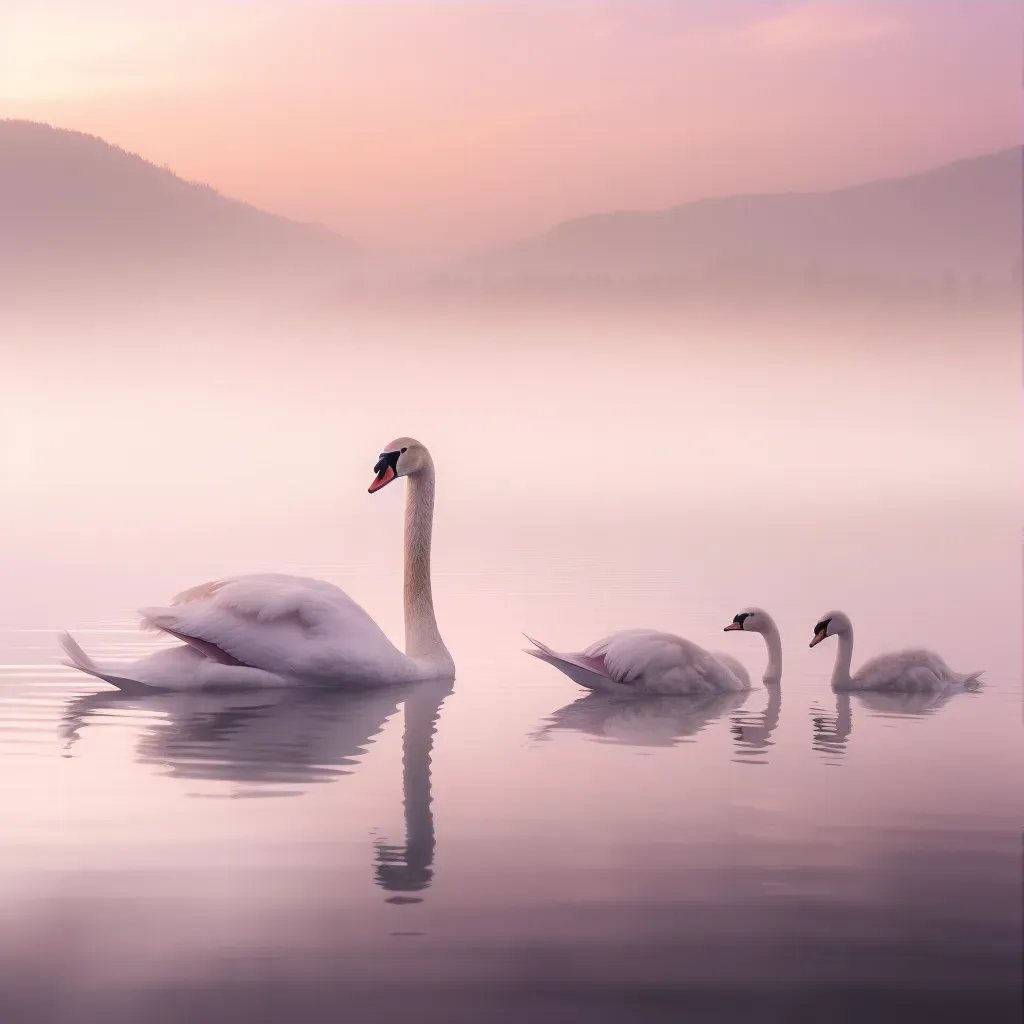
x=832, y=730
x=753, y=730
x=654, y=721
x=268, y=740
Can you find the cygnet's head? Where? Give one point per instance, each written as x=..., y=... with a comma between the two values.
x=405, y=456
x=830, y=624
x=752, y=620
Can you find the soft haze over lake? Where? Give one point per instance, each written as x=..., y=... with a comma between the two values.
x=255, y=857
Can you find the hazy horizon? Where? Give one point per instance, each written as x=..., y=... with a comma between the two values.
x=491, y=122
x=84, y=218
x=440, y=254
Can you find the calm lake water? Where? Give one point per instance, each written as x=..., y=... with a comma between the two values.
x=508, y=848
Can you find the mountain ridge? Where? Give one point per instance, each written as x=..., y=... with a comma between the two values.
x=73, y=204
x=960, y=219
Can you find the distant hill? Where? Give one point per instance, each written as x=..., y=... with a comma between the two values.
x=76, y=210
x=955, y=227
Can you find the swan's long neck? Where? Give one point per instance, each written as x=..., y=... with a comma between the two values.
x=844, y=658
x=773, y=671
x=422, y=638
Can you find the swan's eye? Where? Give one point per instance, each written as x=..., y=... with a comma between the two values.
x=404, y=450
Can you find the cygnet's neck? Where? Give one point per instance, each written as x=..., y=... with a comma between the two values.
x=841, y=679
x=773, y=641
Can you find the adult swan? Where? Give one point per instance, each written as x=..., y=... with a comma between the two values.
x=272, y=630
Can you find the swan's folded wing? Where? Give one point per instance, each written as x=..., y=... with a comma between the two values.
x=735, y=666
x=662, y=662
x=904, y=671
x=283, y=625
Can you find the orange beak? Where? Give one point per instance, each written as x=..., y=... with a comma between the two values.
x=732, y=625
x=818, y=637
x=382, y=479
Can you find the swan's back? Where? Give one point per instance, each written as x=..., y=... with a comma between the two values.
x=657, y=662
x=909, y=671
x=287, y=625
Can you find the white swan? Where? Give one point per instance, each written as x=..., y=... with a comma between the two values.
x=757, y=620
x=908, y=671
x=273, y=630
x=644, y=661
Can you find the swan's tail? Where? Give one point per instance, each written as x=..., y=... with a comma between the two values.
x=80, y=660
x=584, y=671
x=541, y=648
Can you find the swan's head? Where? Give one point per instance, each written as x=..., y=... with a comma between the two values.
x=830, y=624
x=405, y=456
x=753, y=620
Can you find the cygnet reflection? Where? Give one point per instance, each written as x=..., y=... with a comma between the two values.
x=655, y=721
x=832, y=730
x=753, y=729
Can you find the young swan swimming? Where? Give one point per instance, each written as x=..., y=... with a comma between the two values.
x=757, y=620
x=645, y=661
x=911, y=671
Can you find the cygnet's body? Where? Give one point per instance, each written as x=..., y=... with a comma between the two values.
x=645, y=661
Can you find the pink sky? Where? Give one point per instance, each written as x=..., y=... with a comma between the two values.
x=445, y=122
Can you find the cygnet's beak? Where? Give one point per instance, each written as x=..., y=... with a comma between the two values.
x=818, y=637
x=386, y=471
x=733, y=625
